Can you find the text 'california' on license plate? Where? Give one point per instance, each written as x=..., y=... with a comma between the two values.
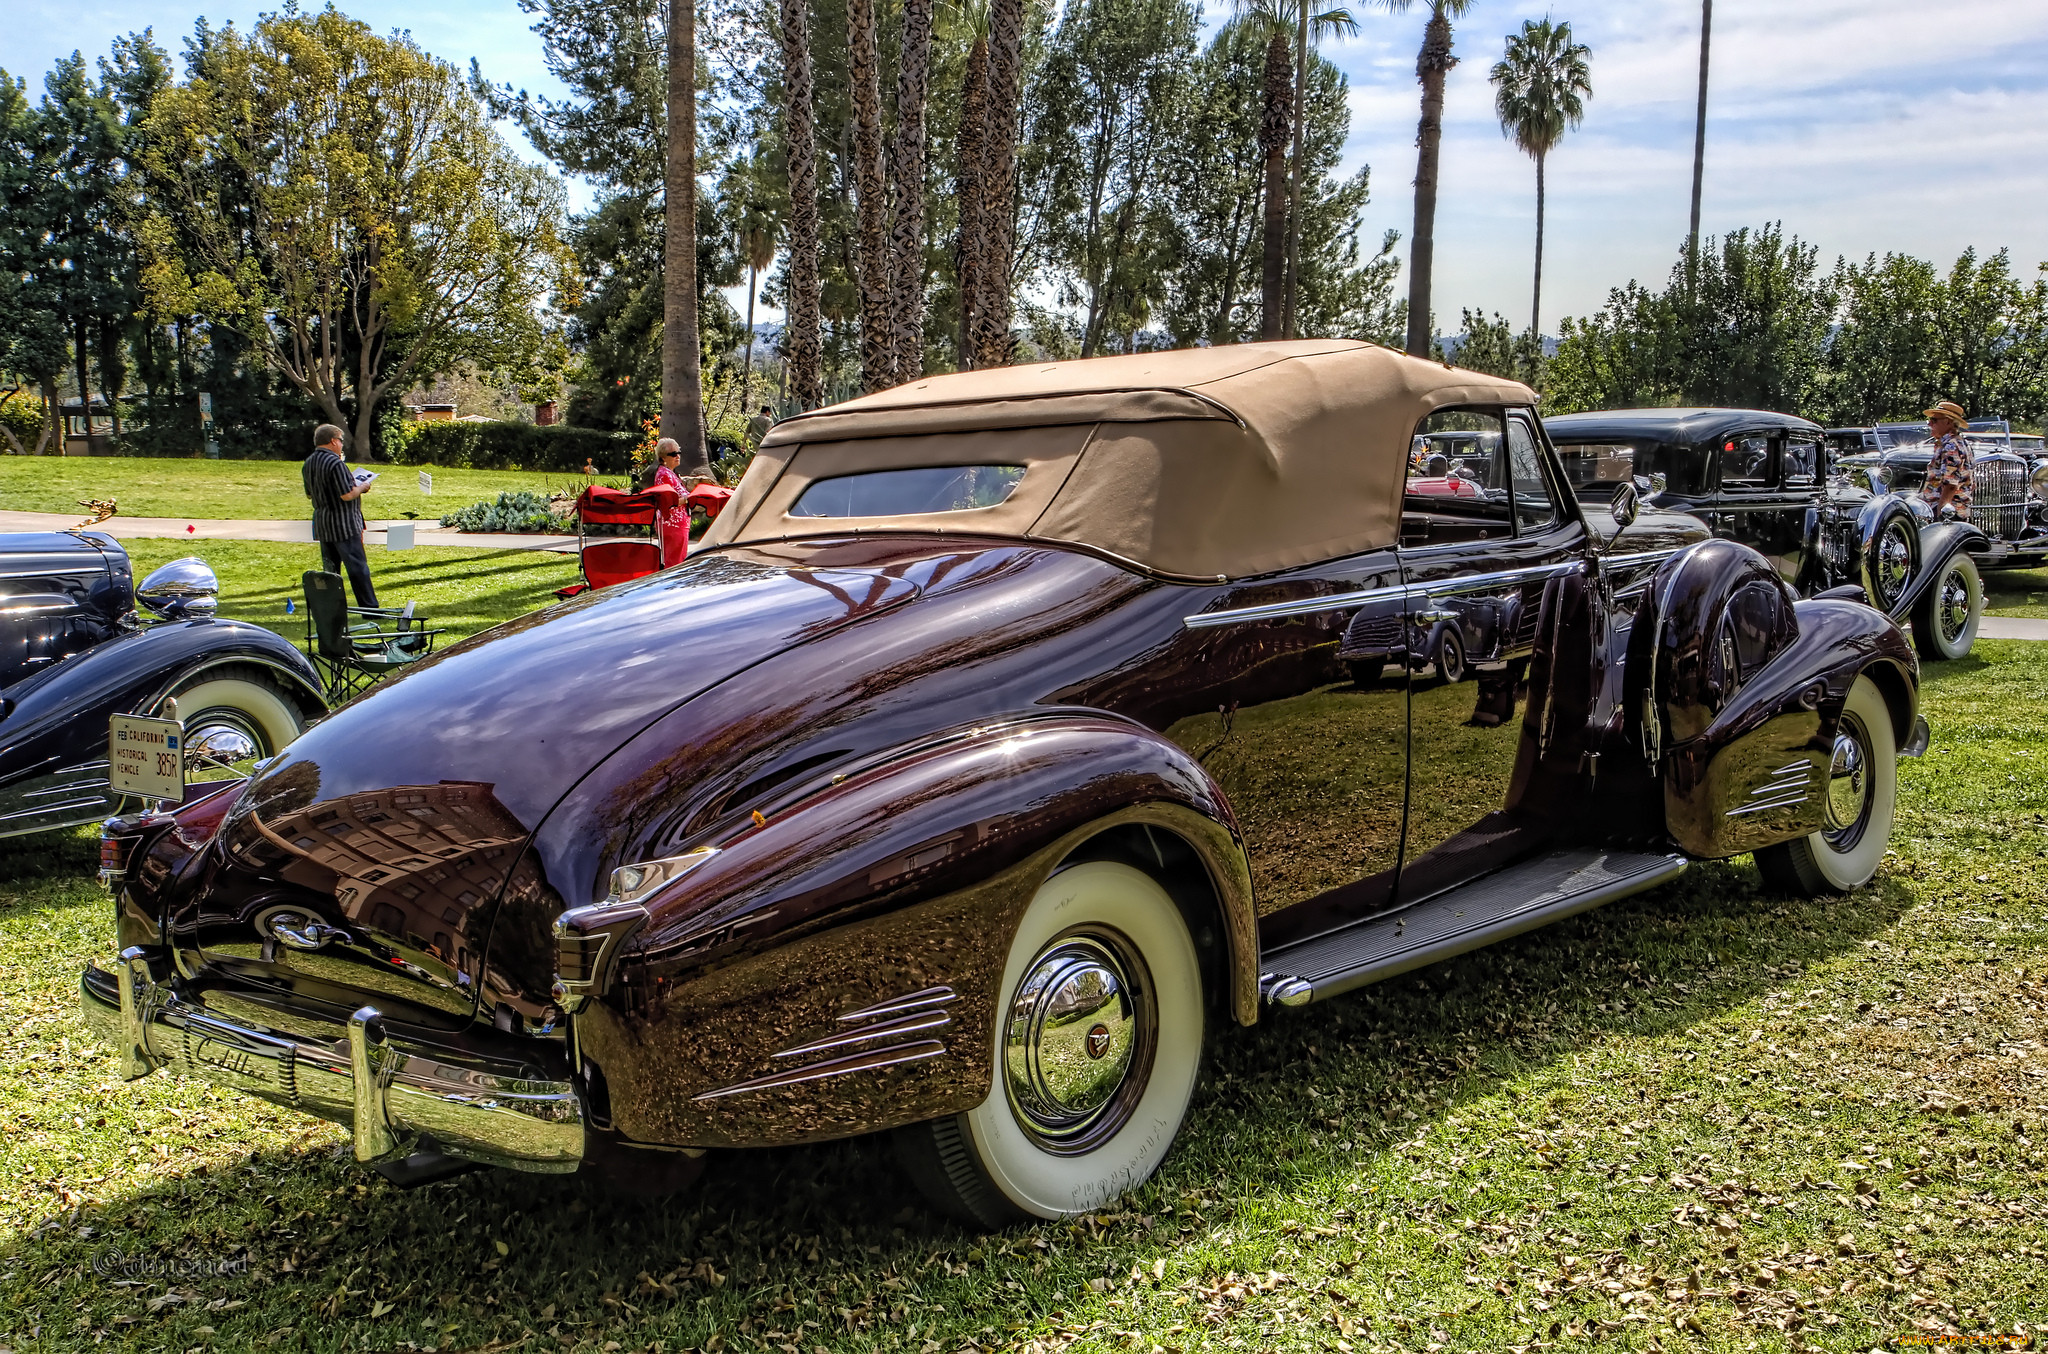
x=146, y=757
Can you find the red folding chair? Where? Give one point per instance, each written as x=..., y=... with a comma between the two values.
x=617, y=559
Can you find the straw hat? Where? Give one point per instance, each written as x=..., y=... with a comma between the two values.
x=1951, y=411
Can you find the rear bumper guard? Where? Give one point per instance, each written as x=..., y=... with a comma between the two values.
x=390, y=1097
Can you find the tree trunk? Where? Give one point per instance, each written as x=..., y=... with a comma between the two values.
x=1293, y=287
x=864, y=74
x=1536, y=296
x=747, y=368
x=999, y=186
x=682, y=355
x=972, y=189
x=79, y=358
x=906, y=236
x=51, y=439
x=1273, y=129
x=803, y=354
x=1699, y=142
x=1431, y=67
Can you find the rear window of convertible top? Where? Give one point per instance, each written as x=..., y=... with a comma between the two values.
x=905, y=493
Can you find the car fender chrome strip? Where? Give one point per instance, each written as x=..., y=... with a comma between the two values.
x=1445, y=587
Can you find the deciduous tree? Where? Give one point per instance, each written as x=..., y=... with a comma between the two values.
x=384, y=232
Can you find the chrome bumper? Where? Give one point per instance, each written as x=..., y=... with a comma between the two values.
x=390, y=1097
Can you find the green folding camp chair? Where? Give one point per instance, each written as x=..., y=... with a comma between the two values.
x=352, y=654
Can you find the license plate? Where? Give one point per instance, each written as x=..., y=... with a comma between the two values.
x=146, y=757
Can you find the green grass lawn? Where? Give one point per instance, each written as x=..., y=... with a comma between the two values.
x=2016, y=592
x=1706, y=1118
x=462, y=588
x=261, y=490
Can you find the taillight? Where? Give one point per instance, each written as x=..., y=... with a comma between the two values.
x=114, y=858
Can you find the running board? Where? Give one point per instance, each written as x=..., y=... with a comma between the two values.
x=1520, y=898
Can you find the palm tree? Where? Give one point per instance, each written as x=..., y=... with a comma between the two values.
x=973, y=243
x=682, y=392
x=1540, y=88
x=1699, y=138
x=1275, y=113
x=864, y=75
x=803, y=346
x=999, y=182
x=906, y=237
x=1314, y=21
x=1432, y=64
x=757, y=246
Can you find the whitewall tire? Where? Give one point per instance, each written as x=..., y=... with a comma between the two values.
x=1098, y=1042
x=1945, y=618
x=1860, y=793
x=232, y=716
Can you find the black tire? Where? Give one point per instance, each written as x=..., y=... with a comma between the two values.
x=1860, y=793
x=1946, y=616
x=1450, y=656
x=235, y=709
x=1893, y=562
x=1087, y=1098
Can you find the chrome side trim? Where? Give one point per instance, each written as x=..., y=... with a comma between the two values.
x=1641, y=557
x=1448, y=587
x=1790, y=784
x=930, y=996
x=1307, y=606
x=484, y=1110
x=890, y=1020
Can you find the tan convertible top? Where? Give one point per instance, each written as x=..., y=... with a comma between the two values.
x=1205, y=462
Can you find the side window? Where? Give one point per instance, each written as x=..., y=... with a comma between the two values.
x=1802, y=459
x=1746, y=462
x=1458, y=480
x=1535, y=507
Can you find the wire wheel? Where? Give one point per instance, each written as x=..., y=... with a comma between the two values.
x=1893, y=560
x=1945, y=621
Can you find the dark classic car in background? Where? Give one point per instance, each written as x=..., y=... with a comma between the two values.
x=1766, y=480
x=1008, y=732
x=2011, y=491
x=73, y=651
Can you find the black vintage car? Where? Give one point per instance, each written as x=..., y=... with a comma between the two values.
x=1008, y=733
x=1768, y=480
x=2011, y=493
x=74, y=650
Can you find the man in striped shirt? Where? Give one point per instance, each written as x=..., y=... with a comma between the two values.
x=337, y=514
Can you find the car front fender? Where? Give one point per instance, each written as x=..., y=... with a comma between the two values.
x=1757, y=774
x=835, y=968
x=59, y=716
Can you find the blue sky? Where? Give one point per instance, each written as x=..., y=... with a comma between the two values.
x=1872, y=125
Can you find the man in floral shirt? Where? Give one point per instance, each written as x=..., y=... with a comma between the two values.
x=1952, y=470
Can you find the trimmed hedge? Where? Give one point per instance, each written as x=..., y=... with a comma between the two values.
x=512, y=446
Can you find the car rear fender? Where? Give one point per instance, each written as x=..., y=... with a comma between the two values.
x=60, y=715
x=832, y=970
x=1756, y=775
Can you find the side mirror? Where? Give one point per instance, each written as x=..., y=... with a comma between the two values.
x=183, y=590
x=1624, y=506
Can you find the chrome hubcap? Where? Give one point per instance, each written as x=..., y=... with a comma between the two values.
x=1077, y=1029
x=1848, y=785
x=1954, y=612
x=1894, y=561
x=218, y=738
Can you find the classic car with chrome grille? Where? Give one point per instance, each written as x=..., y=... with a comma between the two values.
x=1009, y=734
x=1768, y=480
x=75, y=649
x=2010, y=493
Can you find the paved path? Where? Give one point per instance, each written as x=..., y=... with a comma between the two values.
x=2011, y=627
x=299, y=529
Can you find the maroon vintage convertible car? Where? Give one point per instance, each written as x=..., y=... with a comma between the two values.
x=1010, y=731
